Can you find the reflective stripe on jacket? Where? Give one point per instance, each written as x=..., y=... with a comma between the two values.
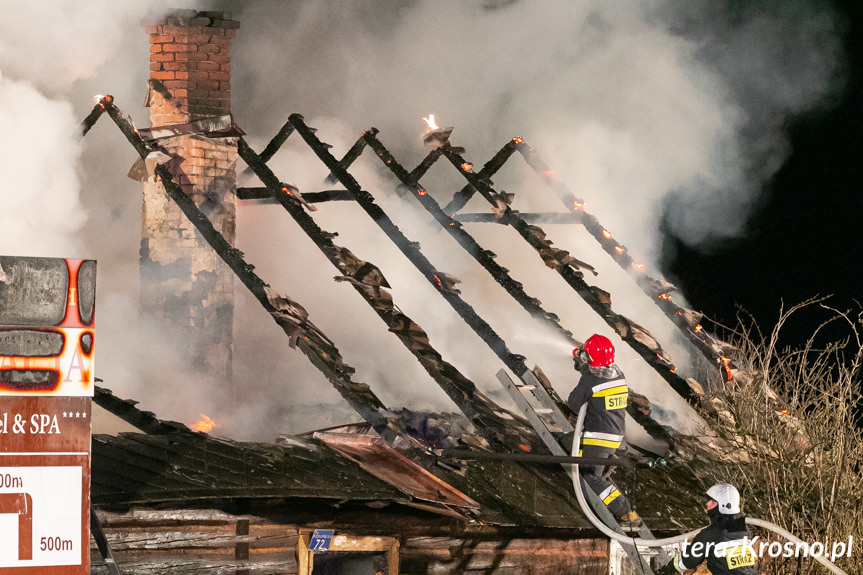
x=607, y=399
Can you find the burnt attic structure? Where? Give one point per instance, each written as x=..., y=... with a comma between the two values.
x=448, y=492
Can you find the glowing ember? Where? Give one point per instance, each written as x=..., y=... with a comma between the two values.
x=727, y=365
x=467, y=167
x=421, y=192
x=785, y=412
x=698, y=328
x=578, y=205
x=638, y=266
x=204, y=425
x=665, y=296
x=619, y=249
x=287, y=191
x=103, y=99
x=606, y=234
x=524, y=447
x=431, y=123
x=518, y=140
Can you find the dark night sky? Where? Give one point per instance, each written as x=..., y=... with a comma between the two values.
x=804, y=240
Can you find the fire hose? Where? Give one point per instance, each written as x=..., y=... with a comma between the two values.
x=652, y=543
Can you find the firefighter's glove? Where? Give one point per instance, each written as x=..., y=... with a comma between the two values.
x=581, y=361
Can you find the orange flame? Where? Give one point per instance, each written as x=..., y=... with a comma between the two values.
x=665, y=296
x=518, y=140
x=524, y=447
x=727, y=364
x=103, y=99
x=549, y=173
x=287, y=191
x=619, y=249
x=698, y=328
x=205, y=425
x=606, y=234
x=785, y=411
x=431, y=123
x=578, y=205
x=467, y=167
x=638, y=266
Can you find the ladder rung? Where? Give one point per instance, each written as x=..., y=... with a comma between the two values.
x=543, y=410
x=526, y=387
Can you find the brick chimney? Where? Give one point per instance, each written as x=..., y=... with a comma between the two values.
x=183, y=282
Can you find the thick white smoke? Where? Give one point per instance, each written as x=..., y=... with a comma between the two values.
x=40, y=210
x=635, y=105
x=632, y=105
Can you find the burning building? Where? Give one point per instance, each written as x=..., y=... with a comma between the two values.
x=379, y=497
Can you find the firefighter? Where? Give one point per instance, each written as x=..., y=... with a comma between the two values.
x=604, y=388
x=725, y=544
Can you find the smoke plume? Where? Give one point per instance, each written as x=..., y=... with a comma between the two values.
x=643, y=109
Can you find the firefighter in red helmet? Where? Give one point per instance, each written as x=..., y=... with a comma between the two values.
x=603, y=387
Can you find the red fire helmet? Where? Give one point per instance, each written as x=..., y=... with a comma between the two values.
x=600, y=350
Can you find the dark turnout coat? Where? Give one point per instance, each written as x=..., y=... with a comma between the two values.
x=724, y=545
x=605, y=421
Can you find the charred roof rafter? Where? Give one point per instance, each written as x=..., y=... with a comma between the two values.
x=687, y=321
x=657, y=290
x=638, y=407
x=369, y=282
x=412, y=251
x=595, y=298
x=329, y=362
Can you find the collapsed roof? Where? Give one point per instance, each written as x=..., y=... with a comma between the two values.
x=496, y=428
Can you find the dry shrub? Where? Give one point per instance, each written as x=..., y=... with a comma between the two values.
x=793, y=419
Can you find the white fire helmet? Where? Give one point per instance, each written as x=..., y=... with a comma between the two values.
x=727, y=497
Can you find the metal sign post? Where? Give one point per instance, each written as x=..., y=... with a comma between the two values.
x=46, y=389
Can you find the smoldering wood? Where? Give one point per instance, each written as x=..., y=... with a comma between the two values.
x=497, y=426
x=530, y=217
x=349, y=158
x=652, y=287
x=125, y=409
x=310, y=197
x=536, y=237
x=357, y=394
x=411, y=250
x=185, y=469
x=484, y=257
x=92, y=118
x=461, y=198
x=425, y=165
